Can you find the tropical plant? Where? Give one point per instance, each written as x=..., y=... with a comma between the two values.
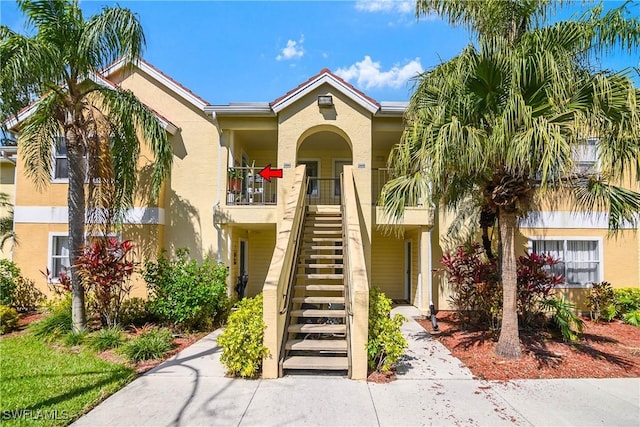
x=9, y=274
x=105, y=268
x=135, y=312
x=632, y=318
x=107, y=338
x=187, y=294
x=501, y=123
x=602, y=301
x=564, y=317
x=152, y=343
x=97, y=123
x=385, y=344
x=75, y=338
x=57, y=322
x=8, y=319
x=242, y=341
x=7, y=232
x=627, y=300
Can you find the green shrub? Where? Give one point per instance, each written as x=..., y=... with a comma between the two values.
x=56, y=323
x=8, y=319
x=602, y=302
x=9, y=273
x=107, y=338
x=135, y=312
x=185, y=294
x=632, y=318
x=627, y=300
x=242, y=341
x=386, y=343
x=26, y=296
x=564, y=317
x=74, y=338
x=151, y=344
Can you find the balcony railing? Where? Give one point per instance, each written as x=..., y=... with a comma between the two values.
x=323, y=191
x=246, y=187
x=379, y=178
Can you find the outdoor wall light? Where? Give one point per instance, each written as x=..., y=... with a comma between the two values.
x=325, y=101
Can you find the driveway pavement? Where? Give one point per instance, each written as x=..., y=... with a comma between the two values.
x=433, y=388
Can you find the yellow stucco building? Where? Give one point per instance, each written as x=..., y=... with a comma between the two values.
x=312, y=241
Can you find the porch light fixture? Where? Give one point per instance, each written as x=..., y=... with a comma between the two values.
x=325, y=101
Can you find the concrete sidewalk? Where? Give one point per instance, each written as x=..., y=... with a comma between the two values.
x=433, y=388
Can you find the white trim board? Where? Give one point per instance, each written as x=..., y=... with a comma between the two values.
x=567, y=219
x=60, y=215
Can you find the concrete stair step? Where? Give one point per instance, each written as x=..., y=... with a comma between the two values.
x=321, y=287
x=317, y=328
x=338, y=363
x=324, y=256
x=337, y=346
x=318, y=313
x=322, y=239
x=321, y=276
x=324, y=225
x=312, y=247
x=316, y=232
x=321, y=265
x=319, y=300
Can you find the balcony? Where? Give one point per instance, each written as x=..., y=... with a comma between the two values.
x=421, y=213
x=246, y=187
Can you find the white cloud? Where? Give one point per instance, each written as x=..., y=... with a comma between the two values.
x=293, y=50
x=367, y=74
x=385, y=6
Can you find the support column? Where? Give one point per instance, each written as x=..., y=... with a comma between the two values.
x=425, y=270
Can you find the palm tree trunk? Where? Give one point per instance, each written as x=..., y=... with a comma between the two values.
x=76, y=202
x=509, y=341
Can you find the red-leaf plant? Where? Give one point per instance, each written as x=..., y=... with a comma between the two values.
x=105, y=267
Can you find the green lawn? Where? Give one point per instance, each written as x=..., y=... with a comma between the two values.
x=45, y=385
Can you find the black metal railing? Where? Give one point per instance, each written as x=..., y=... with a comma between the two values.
x=323, y=191
x=246, y=187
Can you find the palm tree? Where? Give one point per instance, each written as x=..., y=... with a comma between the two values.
x=6, y=222
x=98, y=123
x=500, y=123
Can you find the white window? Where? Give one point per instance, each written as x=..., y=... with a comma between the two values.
x=59, y=255
x=580, y=259
x=60, y=162
x=585, y=156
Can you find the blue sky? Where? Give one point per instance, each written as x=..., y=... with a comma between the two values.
x=229, y=51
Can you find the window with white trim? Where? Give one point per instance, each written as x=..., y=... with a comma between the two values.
x=60, y=162
x=580, y=262
x=59, y=257
x=585, y=156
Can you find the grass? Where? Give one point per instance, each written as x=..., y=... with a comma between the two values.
x=48, y=386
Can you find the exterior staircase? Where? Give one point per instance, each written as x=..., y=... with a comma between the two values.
x=317, y=333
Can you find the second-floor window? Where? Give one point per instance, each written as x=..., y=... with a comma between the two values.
x=60, y=162
x=585, y=156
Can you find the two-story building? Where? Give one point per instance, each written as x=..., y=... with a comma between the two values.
x=313, y=241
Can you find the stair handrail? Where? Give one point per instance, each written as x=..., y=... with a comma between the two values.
x=346, y=273
x=277, y=286
x=356, y=279
x=297, y=231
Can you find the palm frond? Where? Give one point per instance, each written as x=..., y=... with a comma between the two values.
x=37, y=139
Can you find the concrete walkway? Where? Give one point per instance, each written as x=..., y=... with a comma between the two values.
x=433, y=388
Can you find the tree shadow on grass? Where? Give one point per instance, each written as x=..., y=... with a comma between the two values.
x=117, y=377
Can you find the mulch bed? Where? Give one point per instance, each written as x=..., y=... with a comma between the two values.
x=605, y=350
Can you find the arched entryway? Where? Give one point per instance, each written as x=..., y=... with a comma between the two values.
x=325, y=152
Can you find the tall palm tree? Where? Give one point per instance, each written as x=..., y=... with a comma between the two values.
x=6, y=222
x=99, y=123
x=500, y=124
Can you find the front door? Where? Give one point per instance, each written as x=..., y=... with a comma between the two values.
x=313, y=170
